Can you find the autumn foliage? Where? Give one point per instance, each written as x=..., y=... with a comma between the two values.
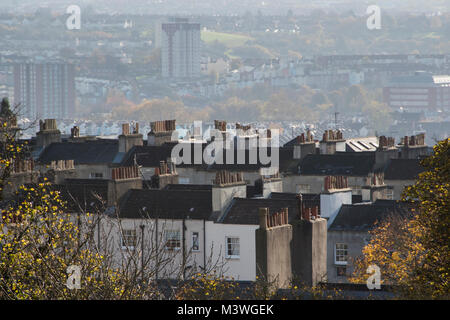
x=413, y=252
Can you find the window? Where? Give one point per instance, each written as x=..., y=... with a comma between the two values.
x=232, y=248
x=340, y=253
x=195, y=241
x=95, y=175
x=173, y=239
x=128, y=238
x=341, y=271
x=390, y=194
x=356, y=189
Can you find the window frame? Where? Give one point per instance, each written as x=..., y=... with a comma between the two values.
x=176, y=240
x=232, y=256
x=337, y=254
x=197, y=249
x=126, y=237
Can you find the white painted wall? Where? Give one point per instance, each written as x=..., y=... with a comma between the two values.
x=331, y=202
x=222, y=195
x=243, y=268
x=269, y=186
x=172, y=270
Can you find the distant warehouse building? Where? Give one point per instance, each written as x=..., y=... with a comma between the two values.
x=180, y=49
x=45, y=90
x=421, y=92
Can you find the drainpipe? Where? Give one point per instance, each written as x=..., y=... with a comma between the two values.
x=184, y=249
x=142, y=226
x=204, y=244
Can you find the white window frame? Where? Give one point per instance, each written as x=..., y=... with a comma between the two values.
x=96, y=175
x=338, y=252
x=127, y=235
x=227, y=244
x=198, y=241
x=172, y=235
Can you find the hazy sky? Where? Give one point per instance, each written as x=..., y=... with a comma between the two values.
x=227, y=6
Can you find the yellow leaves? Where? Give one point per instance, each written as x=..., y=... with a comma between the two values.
x=396, y=256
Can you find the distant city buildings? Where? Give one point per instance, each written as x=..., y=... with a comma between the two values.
x=422, y=92
x=180, y=49
x=45, y=90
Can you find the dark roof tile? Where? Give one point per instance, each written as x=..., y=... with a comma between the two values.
x=87, y=152
x=362, y=216
x=166, y=204
x=403, y=169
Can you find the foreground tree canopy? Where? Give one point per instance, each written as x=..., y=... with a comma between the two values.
x=413, y=253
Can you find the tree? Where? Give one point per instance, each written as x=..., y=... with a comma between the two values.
x=413, y=252
x=46, y=237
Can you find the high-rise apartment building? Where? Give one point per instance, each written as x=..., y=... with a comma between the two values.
x=45, y=90
x=180, y=49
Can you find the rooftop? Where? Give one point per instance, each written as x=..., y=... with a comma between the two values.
x=166, y=204
x=403, y=169
x=363, y=216
x=349, y=164
x=87, y=152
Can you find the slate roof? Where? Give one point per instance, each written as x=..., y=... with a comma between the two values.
x=150, y=156
x=87, y=152
x=192, y=187
x=86, y=194
x=166, y=204
x=403, y=169
x=348, y=164
x=247, y=165
x=147, y=156
x=246, y=211
x=362, y=216
x=294, y=142
x=309, y=199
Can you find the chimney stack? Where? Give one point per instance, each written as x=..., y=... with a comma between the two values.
x=48, y=133
x=129, y=138
x=160, y=132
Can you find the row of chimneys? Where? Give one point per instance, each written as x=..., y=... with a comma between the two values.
x=335, y=182
x=47, y=124
x=126, y=128
x=377, y=179
x=225, y=177
x=307, y=212
x=22, y=165
x=331, y=135
x=302, y=139
x=273, y=220
x=242, y=127
x=125, y=173
x=62, y=165
x=220, y=125
x=163, y=126
x=417, y=140
x=386, y=142
x=275, y=175
x=310, y=213
x=165, y=168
